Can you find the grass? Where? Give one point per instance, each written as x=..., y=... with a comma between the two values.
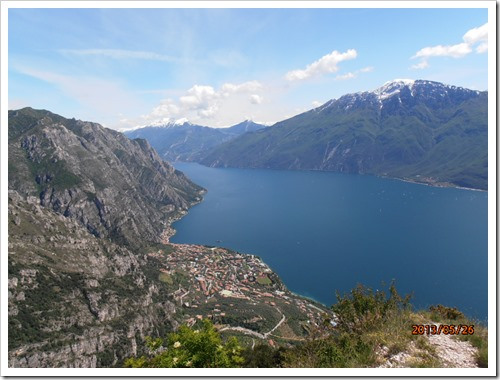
x=452, y=316
x=371, y=324
x=264, y=280
x=166, y=278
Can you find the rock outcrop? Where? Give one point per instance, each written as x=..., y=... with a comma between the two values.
x=89, y=277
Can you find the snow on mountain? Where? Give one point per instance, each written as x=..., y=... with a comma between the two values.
x=403, y=91
x=393, y=87
x=164, y=123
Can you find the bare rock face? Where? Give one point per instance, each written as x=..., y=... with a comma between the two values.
x=85, y=202
x=89, y=277
x=76, y=300
x=115, y=187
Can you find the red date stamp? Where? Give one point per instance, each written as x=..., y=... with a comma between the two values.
x=443, y=329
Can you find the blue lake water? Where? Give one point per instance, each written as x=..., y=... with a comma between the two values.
x=323, y=231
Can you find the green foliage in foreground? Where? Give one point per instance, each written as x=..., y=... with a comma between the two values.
x=366, y=321
x=189, y=347
x=364, y=309
x=335, y=351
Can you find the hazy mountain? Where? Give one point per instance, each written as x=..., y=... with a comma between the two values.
x=243, y=127
x=420, y=130
x=188, y=142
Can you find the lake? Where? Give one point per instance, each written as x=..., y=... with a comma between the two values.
x=323, y=232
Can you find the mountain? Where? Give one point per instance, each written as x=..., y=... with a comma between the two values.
x=116, y=187
x=183, y=141
x=90, y=271
x=243, y=127
x=413, y=129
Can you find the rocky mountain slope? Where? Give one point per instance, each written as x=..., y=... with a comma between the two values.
x=90, y=272
x=189, y=142
x=114, y=186
x=76, y=300
x=419, y=130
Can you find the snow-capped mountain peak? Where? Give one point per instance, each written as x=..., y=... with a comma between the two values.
x=405, y=92
x=166, y=123
x=393, y=87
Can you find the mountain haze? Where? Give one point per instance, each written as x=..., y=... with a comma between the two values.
x=418, y=130
x=189, y=142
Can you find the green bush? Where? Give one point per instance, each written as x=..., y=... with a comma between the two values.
x=262, y=356
x=190, y=347
x=440, y=312
x=342, y=350
x=363, y=309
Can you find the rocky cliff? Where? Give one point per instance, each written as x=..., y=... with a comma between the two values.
x=115, y=187
x=76, y=300
x=89, y=276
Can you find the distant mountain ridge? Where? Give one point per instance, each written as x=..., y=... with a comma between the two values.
x=413, y=129
x=184, y=141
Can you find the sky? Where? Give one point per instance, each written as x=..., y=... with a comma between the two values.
x=125, y=68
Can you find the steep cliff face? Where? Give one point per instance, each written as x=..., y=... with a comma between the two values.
x=76, y=300
x=89, y=278
x=115, y=187
x=85, y=203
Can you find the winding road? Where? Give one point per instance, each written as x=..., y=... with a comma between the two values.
x=244, y=330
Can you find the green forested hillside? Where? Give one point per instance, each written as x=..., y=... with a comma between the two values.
x=423, y=131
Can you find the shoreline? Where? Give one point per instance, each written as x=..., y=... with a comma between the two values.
x=169, y=231
x=442, y=185
x=409, y=180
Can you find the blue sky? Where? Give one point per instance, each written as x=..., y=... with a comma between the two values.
x=129, y=67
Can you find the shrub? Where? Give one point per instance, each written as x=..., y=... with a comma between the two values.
x=190, y=347
x=262, y=356
x=364, y=309
x=444, y=312
x=340, y=350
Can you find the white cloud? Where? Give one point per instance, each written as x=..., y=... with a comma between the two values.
x=475, y=35
x=482, y=48
x=420, y=66
x=209, y=112
x=366, y=69
x=255, y=99
x=122, y=54
x=96, y=96
x=470, y=38
x=455, y=51
x=199, y=97
x=202, y=102
x=325, y=65
x=346, y=76
x=166, y=110
x=249, y=86
x=316, y=103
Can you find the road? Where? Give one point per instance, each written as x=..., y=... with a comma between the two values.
x=244, y=330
